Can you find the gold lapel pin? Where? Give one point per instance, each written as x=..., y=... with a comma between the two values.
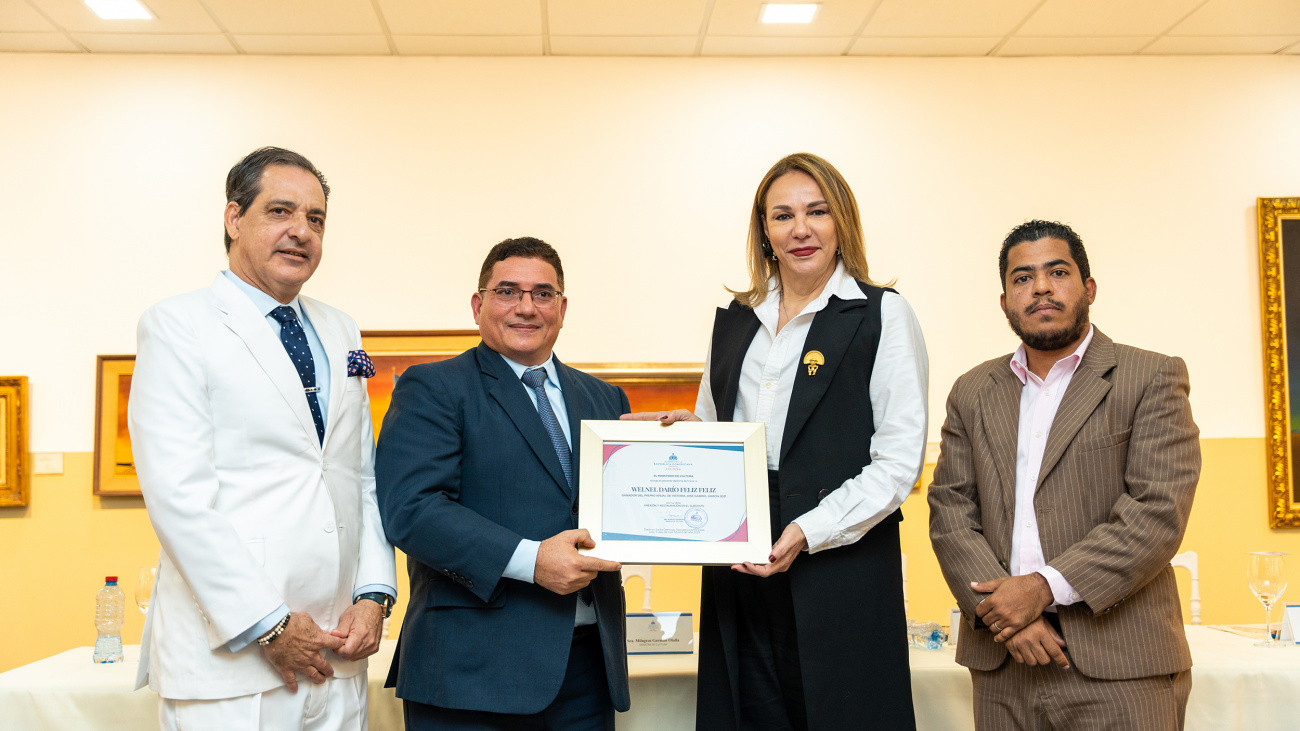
x=813, y=359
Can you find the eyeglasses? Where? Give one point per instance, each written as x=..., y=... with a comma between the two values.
x=542, y=298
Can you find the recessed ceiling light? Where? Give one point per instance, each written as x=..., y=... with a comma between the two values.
x=119, y=9
x=786, y=13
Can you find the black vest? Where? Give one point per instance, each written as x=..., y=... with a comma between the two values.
x=829, y=425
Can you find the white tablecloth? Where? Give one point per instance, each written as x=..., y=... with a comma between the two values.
x=1234, y=686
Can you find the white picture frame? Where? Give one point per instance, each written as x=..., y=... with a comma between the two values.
x=750, y=436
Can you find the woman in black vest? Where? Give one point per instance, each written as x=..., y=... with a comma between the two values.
x=836, y=368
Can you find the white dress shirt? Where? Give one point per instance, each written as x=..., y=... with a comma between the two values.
x=523, y=562
x=1039, y=400
x=898, y=390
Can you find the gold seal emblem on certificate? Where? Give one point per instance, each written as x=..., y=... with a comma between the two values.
x=813, y=359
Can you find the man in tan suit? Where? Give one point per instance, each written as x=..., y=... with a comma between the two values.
x=1062, y=490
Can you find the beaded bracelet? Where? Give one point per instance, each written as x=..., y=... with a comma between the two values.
x=266, y=639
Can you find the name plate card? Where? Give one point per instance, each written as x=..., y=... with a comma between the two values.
x=660, y=633
x=687, y=493
x=1290, y=629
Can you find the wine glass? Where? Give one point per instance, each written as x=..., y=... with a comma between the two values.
x=144, y=588
x=1267, y=578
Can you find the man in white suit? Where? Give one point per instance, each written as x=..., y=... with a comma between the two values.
x=252, y=436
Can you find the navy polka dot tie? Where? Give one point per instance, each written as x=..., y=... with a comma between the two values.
x=294, y=341
x=535, y=378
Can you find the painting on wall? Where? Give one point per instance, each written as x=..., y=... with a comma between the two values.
x=649, y=386
x=15, y=472
x=393, y=351
x=114, y=463
x=1279, y=265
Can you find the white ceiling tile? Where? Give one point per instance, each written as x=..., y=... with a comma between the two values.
x=1242, y=18
x=623, y=45
x=314, y=45
x=1097, y=18
x=43, y=42
x=463, y=17
x=17, y=15
x=1073, y=46
x=626, y=17
x=294, y=17
x=834, y=18
x=1212, y=45
x=170, y=16
x=159, y=43
x=948, y=17
x=769, y=46
x=468, y=45
x=924, y=46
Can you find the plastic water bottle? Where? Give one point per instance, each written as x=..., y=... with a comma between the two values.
x=925, y=635
x=110, y=614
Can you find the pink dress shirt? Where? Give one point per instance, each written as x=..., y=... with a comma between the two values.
x=1039, y=400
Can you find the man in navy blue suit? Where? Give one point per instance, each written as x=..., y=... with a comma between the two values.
x=508, y=627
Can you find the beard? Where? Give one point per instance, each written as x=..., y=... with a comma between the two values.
x=1049, y=340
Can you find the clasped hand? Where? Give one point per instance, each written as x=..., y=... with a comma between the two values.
x=361, y=626
x=1013, y=611
x=298, y=650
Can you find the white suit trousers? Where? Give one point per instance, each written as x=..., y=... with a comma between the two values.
x=338, y=704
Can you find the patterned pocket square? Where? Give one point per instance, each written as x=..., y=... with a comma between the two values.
x=359, y=364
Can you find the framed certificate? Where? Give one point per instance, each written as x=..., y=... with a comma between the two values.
x=688, y=493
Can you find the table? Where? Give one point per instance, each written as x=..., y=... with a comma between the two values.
x=1234, y=686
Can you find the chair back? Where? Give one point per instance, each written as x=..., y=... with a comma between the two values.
x=1187, y=560
x=644, y=573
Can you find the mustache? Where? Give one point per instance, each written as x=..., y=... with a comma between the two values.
x=1045, y=300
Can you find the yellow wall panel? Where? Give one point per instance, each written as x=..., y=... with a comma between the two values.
x=59, y=548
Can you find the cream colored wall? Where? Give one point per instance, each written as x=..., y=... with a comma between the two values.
x=640, y=172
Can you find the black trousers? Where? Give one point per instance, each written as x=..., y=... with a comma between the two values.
x=849, y=667
x=582, y=704
x=771, y=683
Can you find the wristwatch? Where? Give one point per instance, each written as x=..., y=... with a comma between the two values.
x=379, y=598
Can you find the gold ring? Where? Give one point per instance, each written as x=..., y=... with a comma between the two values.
x=996, y=628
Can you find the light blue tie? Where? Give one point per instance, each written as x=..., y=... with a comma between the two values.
x=535, y=378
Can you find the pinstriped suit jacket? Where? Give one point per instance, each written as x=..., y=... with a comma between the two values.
x=1113, y=496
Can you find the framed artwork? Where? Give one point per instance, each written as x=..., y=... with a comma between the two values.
x=15, y=470
x=393, y=351
x=1279, y=268
x=649, y=386
x=114, y=464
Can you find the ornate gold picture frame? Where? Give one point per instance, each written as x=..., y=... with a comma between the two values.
x=1279, y=268
x=114, y=462
x=15, y=470
x=649, y=386
x=393, y=351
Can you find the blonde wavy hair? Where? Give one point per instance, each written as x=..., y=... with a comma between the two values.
x=844, y=212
